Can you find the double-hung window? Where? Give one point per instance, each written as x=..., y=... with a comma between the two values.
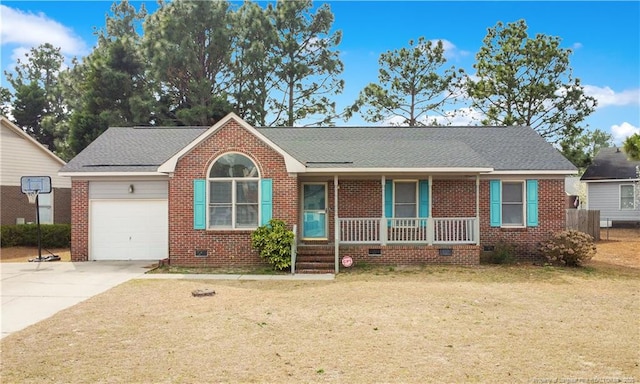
x=627, y=196
x=513, y=203
x=233, y=192
x=405, y=204
x=513, y=208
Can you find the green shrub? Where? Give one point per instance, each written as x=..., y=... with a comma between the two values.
x=570, y=248
x=273, y=241
x=503, y=253
x=52, y=235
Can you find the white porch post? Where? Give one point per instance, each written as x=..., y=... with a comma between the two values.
x=383, y=225
x=336, y=224
x=477, y=222
x=430, y=223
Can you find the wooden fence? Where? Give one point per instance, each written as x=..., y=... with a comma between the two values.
x=583, y=220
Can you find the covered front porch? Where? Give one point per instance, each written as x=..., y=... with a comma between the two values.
x=389, y=219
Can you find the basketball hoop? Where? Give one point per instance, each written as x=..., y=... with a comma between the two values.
x=32, y=195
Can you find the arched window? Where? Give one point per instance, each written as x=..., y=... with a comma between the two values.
x=233, y=192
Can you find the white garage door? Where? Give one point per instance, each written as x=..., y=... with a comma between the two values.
x=129, y=230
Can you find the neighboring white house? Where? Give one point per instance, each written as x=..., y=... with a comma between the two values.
x=613, y=187
x=21, y=155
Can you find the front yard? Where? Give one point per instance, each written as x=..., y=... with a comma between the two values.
x=431, y=324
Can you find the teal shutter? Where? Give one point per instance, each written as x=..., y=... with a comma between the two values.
x=199, y=204
x=495, y=214
x=388, y=200
x=266, y=203
x=423, y=201
x=532, y=203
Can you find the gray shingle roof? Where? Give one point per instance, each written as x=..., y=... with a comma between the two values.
x=502, y=148
x=132, y=149
x=611, y=163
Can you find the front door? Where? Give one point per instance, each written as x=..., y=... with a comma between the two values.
x=314, y=211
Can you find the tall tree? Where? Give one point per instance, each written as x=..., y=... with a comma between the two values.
x=307, y=63
x=109, y=86
x=5, y=101
x=528, y=81
x=581, y=149
x=38, y=95
x=411, y=83
x=631, y=146
x=188, y=45
x=253, y=63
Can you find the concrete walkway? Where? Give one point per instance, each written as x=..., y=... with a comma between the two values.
x=32, y=292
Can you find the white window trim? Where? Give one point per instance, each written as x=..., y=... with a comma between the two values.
x=234, y=183
x=633, y=197
x=524, y=204
x=415, y=220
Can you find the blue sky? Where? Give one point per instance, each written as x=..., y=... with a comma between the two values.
x=604, y=36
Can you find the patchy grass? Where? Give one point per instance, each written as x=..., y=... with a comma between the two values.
x=23, y=254
x=413, y=325
x=265, y=270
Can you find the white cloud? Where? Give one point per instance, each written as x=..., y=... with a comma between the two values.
x=576, y=46
x=608, y=97
x=24, y=30
x=622, y=131
x=450, y=50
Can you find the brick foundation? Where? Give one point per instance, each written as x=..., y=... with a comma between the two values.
x=412, y=254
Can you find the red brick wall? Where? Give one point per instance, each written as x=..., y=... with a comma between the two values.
x=79, y=220
x=225, y=248
x=359, y=198
x=453, y=198
x=62, y=205
x=551, y=218
x=15, y=204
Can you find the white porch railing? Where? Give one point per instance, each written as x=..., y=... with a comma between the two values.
x=359, y=231
x=454, y=230
x=408, y=230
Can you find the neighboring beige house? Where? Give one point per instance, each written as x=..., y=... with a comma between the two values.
x=21, y=155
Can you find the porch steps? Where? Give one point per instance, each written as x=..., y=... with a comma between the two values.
x=315, y=259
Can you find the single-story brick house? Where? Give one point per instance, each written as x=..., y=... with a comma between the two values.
x=384, y=195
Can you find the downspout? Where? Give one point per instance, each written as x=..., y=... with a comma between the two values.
x=477, y=223
x=430, y=223
x=383, y=225
x=336, y=224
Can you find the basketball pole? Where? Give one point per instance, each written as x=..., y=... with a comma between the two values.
x=38, y=223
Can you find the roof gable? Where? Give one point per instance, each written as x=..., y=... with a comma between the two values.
x=18, y=131
x=169, y=166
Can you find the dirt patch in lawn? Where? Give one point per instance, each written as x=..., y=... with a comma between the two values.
x=23, y=254
x=410, y=325
x=618, y=247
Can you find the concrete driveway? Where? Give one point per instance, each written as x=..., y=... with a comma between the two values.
x=32, y=292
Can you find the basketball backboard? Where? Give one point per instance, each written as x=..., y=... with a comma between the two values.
x=42, y=184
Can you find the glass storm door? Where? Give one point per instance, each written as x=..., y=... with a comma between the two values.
x=314, y=210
